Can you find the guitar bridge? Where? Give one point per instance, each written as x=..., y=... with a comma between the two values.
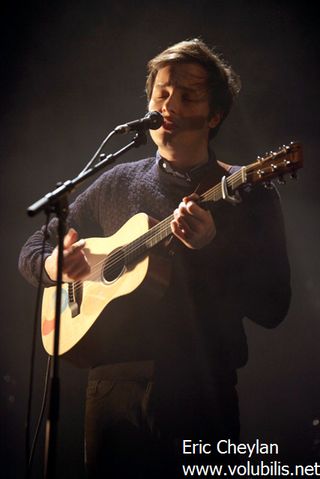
x=75, y=297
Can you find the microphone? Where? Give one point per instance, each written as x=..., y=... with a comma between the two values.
x=152, y=121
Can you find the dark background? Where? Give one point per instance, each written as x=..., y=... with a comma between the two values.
x=71, y=71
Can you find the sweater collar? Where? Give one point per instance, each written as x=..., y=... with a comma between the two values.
x=192, y=175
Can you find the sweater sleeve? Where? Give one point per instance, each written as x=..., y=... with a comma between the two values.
x=268, y=291
x=83, y=215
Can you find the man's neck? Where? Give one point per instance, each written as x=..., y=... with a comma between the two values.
x=184, y=160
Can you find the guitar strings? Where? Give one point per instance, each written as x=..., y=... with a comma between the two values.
x=162, y=229
x=158, y=232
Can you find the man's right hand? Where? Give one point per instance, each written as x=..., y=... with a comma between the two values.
x=75, y=263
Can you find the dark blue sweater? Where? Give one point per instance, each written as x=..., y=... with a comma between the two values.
x=244, y=272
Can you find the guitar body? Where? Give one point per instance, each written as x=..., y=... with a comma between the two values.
x=102, y=316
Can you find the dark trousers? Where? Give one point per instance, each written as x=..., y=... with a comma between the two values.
x=135, y=429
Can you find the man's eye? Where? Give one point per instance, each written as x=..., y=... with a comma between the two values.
x=158, y=97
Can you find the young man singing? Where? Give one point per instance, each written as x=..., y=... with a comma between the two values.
x=175, y=379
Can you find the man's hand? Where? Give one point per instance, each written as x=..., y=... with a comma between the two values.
x=193, y=225
x=75, y=263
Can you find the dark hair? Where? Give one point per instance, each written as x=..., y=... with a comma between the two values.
x=223, y=83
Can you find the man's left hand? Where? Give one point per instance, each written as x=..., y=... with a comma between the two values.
x=193, y=225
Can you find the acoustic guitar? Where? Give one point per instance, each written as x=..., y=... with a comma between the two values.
x=99, y=314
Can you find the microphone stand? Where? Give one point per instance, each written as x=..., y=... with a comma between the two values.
x=57, y=202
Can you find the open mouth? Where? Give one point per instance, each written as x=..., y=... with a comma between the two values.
x=169, y=125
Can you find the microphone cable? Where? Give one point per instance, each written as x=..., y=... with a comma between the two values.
x=97, y=153
x=29, y=452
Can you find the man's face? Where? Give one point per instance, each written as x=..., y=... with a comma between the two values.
x=180, y=94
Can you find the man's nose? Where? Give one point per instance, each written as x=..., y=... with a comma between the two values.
x=171, y=104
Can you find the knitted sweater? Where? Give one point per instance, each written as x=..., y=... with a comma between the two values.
x=244, y=272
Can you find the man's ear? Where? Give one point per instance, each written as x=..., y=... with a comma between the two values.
x=215, y=120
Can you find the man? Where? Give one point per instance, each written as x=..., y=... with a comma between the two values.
x=177, y=379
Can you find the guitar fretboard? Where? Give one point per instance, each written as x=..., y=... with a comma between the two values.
x=162, y=230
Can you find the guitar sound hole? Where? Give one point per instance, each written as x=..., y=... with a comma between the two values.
x=113, y=266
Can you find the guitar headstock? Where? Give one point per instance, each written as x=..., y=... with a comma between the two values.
x=286, y=160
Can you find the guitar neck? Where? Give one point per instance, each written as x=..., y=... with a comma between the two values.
x=275, y=164
x=162, y=230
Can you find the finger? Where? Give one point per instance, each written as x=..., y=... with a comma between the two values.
x=188, y=221
x=74, y=255
x=193, y=197
x=77, y=272
x=181, y=234
x=76, y=266
x=70, y=238
x=177, y=230
x=195, y=210
x=192, y=226
x=74, y=248
x=190, y=208
x=186, y=226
